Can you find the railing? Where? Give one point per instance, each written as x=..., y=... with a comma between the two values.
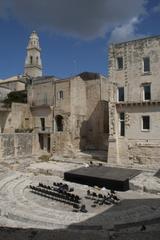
x=138, y=102
x=42, y=102
x=45, y=130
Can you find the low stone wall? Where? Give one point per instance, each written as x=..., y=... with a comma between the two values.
x=16, y=145
x=61, y=143
x=130, y=151
x=143, y=152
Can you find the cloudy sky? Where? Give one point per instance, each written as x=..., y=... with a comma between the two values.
x=74, y=34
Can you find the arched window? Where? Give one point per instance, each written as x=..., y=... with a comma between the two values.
x=59, y=123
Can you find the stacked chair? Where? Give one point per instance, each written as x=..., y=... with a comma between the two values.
x=59, y=192
x=101, y=199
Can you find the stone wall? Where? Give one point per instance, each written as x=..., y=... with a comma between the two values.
x=20, y=112
x=13, y=85
x=16, y=117
x=89, y=113
x=144, y=152
x=5, y=121
x=138, y=145
x=78, y=111
x=16, y=145
x=132, y=76
x=61, y=143
x=133, y=122
x=41, y=92
x=42, y=112
x=82, y=107
x=62, y=104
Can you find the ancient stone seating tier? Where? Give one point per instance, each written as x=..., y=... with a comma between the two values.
x=20, y=207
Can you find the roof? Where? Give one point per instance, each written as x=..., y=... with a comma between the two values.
x=85, y=76
x=138, y=40
x=12, y=79
x=42, y=78
x=89, y=75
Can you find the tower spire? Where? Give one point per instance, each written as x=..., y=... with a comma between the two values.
x=33, y=63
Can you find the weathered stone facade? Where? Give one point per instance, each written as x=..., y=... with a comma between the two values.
x=138, y=75
x=15, y=118
x=33, y=63
x=74, y=112
x=16, y=145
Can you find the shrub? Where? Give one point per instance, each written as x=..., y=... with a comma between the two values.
x=44, y=158
x=16, y=96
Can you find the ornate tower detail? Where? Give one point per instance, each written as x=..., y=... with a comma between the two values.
x=33, y=64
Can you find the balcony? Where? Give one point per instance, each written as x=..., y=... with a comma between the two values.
x=46, y=130
x=41, y=103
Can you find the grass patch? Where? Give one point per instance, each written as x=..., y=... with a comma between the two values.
x=45, y=158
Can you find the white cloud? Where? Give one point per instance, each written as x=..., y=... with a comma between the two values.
x=125, y=32
x=79, y=18
x=157, y=8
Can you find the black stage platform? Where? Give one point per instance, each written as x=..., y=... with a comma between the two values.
x=108, y=177
x=157, y=174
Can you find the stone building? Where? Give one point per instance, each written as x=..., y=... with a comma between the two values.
x=70, y=114
x=118, y=115
x=16, y=139
x=134, y=106
x=64, y=113
x=15, y=83
x=33, y=63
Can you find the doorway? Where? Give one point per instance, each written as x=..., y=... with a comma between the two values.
x=59, y=123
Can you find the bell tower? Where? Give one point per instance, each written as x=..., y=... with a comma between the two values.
x=33, y=63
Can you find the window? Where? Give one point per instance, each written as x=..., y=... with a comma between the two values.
x=120, y=94
x=31, y=59
x=60, y=95
x=26, y=122
x=122, y=123
x=146, y=64
x=145, y=123
x=42, y=123
x=37, y=60
x=119, y=63
x=146, y=92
